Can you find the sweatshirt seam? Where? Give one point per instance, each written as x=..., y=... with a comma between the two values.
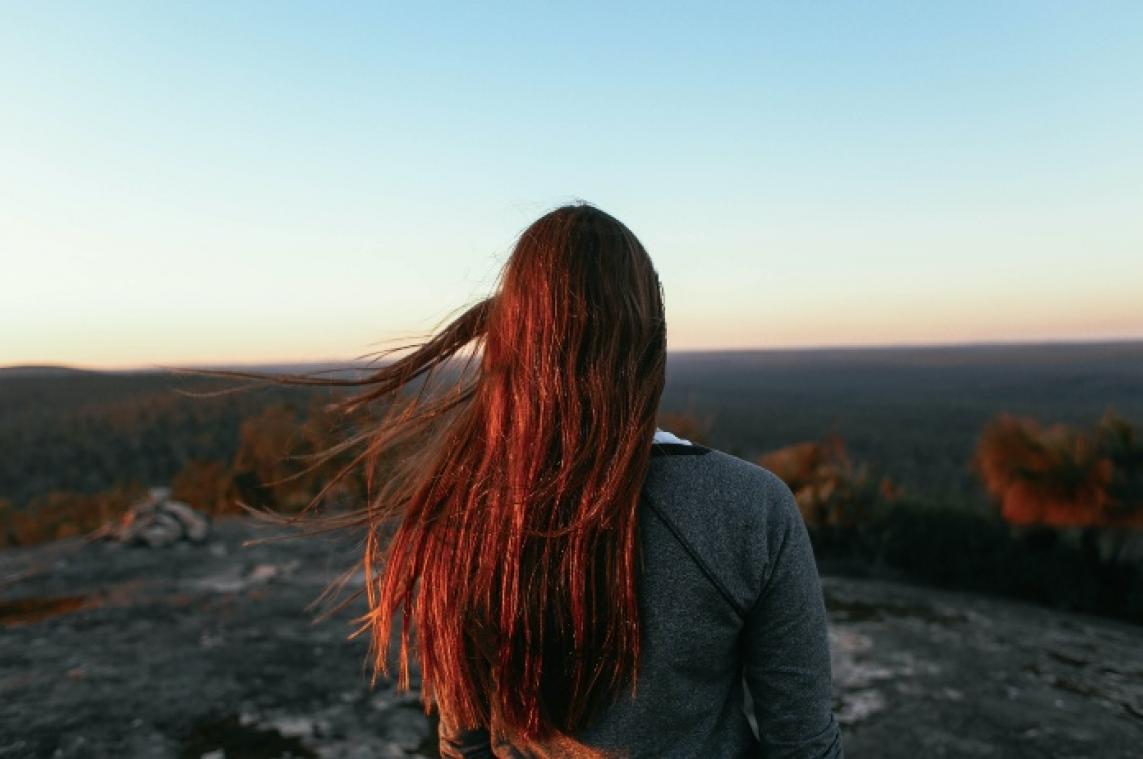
x=705, y=568
x=776, y=559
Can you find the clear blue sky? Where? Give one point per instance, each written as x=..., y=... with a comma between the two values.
x=219, y=182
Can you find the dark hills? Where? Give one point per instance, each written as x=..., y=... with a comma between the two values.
x=912, y=412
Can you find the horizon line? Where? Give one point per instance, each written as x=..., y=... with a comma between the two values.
x=360, y=362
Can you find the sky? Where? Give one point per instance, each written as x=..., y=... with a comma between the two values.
x=216, y=183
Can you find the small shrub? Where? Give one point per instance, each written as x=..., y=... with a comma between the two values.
x=833, y=492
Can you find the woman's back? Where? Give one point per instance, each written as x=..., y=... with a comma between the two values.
x=570, y=583
x=728, y=589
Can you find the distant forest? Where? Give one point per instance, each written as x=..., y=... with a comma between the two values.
x=912, y=414
x=87, y=432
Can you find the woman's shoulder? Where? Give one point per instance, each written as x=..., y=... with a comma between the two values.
x=733, y=514
x=716, y=482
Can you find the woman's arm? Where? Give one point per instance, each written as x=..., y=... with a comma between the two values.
x=787, y=663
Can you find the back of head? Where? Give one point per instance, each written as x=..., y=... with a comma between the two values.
x=513, y=557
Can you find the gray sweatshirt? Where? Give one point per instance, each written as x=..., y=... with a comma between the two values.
x=729, y=594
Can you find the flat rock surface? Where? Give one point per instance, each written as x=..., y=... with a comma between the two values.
x=209, y=651
x=920, y=672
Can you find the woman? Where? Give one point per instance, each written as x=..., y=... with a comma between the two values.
x=572, y=580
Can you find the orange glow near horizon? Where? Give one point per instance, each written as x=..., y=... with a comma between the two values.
x=697, y=320
x=144, y=346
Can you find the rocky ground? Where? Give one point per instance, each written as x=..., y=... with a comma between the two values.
x=208, y=651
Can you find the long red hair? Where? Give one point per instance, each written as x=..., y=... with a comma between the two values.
x=502, y=512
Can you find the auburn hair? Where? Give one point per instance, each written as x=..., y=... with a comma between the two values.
x=502, y=512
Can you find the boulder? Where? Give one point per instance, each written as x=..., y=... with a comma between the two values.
x=158, y=521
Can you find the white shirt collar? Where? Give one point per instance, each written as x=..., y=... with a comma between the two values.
x=662, y=436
